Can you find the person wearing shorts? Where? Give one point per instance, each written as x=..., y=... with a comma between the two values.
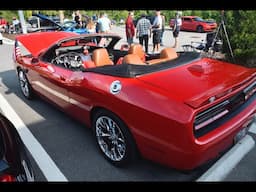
x=176, y=28
x=157, y=30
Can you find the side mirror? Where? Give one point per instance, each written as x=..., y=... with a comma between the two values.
x=34, y=60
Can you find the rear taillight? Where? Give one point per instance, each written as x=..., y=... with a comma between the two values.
x=7, y=178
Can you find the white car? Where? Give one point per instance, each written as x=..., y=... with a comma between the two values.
x=1, y=39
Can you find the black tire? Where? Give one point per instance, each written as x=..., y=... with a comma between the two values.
x=1, y=42
x=25, y=86
x=200, y=29
x=121, y=141
x=26, y=171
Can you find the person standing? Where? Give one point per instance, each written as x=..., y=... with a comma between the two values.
x=78, y=19
x=129, y=28
x=157, y=30
x=143, y=31
x=163, y=29
x=91, y=28
x=16, y=25
x=176, y=28
x=104, y=24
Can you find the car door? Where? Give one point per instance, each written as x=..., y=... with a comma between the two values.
x=186, y=23
x=80, y=94
x=50, y=81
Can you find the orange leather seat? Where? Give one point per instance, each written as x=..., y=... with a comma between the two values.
x=133, y=59
x=166, y=54
x=100, y=57
x=138, y=50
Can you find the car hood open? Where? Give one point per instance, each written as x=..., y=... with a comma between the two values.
x=43, y=17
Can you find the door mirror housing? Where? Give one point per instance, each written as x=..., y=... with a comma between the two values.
x=35, y=60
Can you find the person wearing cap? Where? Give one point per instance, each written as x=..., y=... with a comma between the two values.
x=143, y=31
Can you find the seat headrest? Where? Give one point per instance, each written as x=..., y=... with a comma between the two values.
x=133, y=59
x=168, y=53
x=138, y=50
x=101, y=57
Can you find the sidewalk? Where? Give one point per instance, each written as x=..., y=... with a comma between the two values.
x=246, y=169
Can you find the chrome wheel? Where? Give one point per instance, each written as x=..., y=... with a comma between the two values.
x=110, y=138
x=24, y=84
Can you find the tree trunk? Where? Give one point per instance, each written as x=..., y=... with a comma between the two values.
x=61, y=14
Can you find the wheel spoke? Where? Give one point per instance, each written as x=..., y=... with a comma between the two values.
x=121, y=140
x=120, y=149
x=100, y=133
x=110, y=138
x=23, y=83
x=113, y=154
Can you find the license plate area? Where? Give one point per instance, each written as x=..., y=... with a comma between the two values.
x=240, y=134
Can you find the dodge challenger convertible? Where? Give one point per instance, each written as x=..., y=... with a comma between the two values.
x=174, y=108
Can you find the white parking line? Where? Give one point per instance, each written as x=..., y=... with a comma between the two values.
x=8, y=41
x=253, y=128
x=45, y=163
x=225, y=164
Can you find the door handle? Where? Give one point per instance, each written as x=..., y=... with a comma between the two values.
x=62, y=78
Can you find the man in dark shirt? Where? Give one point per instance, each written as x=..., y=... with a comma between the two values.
x=143, y=31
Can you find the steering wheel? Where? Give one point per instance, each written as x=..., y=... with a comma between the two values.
x=74, y=60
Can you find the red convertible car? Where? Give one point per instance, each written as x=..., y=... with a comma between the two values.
x=195, y=23
x=177, y=109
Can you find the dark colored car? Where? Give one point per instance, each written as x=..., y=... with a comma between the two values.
x=53, y=24
x=195, y=23
x=14, y=162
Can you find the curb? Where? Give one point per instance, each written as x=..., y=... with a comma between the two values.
x=224, y=165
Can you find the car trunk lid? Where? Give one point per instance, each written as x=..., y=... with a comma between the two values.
x=201, y=81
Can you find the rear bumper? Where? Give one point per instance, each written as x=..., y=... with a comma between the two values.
x=215, y=143
x=212, y=145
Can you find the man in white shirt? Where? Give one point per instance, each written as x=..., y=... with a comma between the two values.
x=176, y=28
x=157, y=29
x=104, y=23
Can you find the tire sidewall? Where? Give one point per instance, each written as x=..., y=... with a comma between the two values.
x=30, y=92
x=130, y=151
x=200, y=29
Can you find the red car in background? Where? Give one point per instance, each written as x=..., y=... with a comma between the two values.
x=3, y=24
x=177, y=109
x=194, y=23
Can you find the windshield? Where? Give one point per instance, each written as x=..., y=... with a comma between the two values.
x=198, y=19
x=69, y=24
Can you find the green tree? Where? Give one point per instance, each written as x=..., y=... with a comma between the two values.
x=241, y=29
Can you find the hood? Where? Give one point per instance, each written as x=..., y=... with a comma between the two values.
x=38, y=41
x=195, y=83
x=43, y=17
